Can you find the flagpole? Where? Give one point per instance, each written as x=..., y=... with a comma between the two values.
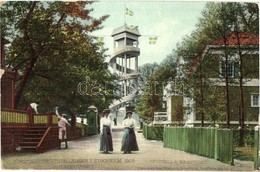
x=125, y=14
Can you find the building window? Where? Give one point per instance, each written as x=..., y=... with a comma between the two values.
x=254, y=100
x=232, y=69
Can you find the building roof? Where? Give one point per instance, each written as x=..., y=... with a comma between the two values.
x=194, y=64
x=124, y=28
x=244, y=39
x=231, y=40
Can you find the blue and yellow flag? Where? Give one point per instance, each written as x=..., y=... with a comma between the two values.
x=100, y=41
x=128, y=12
x=152, y=40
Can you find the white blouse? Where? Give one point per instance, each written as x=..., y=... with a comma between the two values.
x=105, y=121
x=129, y=122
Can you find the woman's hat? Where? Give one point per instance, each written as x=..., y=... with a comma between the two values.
x=129, y=112
x=106, y=111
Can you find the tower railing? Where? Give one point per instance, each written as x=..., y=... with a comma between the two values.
x=125, y=49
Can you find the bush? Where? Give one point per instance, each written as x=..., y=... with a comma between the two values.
x=153, y=132
x=248, y=137
x=82, y=128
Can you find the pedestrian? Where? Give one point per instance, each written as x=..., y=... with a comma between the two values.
x=62, y=124
x=129, y=142
x=30, y=108
x=106, y=143
x=115, y=122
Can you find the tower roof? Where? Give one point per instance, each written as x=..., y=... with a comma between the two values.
x=125, y=28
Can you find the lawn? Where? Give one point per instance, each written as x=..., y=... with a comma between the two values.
x=244, y=153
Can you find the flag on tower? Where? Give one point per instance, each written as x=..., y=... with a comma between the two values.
x=152, y=40
x=128, y=12
x=100, y=41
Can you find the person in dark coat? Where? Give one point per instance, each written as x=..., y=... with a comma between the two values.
x=106, y=143
x=129, y=142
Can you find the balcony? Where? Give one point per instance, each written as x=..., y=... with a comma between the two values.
x=129, y=50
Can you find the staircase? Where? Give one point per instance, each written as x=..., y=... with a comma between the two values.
x=33, y=137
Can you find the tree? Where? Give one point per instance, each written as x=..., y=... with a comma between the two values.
x=243, y=16
x=53, y=53
x=216, y=22
x=152, y=97
x=147, y=70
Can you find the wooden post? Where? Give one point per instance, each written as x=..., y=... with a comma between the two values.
x=256, y=149
x=31, y=119
x=216, y=156
x=49, y=119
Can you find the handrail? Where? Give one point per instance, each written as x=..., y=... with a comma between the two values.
x=43, y=118
x=43, y=137
x=13, y=110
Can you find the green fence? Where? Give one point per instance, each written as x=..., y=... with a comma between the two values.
x=209, y=142
x=256, y=149
x=153, y=132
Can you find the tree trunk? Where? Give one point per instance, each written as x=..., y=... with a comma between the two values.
x=241, y=92
x=241, y=105
x=202, y=97
x=21, y=87
x=227, y=85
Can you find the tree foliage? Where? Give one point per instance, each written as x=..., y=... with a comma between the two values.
x=152, y=91
x=217, y=21
x=53, y=52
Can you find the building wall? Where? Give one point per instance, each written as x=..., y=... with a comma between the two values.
x=251, y=113
x=177, y=110
x=211, y=69
x=211, y=65
x=7, y=90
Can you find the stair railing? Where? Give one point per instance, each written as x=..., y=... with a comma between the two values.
x=43, y=137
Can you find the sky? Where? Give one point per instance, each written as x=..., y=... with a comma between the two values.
x=169, y=21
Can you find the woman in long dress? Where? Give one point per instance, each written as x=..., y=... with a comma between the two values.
x=129, y=142
x=106, y=143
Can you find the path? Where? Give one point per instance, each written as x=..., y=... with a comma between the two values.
x=83, y=154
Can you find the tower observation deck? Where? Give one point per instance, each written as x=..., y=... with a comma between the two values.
x=124, y=62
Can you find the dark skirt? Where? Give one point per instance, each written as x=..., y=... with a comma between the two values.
x=129, y=142
x=106, y=140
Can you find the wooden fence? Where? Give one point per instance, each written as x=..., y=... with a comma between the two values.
x=15, y=123
x=18, y=117
x=256, y=149
x=209, y=142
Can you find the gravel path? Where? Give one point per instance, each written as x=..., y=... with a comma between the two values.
x=84, y=154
